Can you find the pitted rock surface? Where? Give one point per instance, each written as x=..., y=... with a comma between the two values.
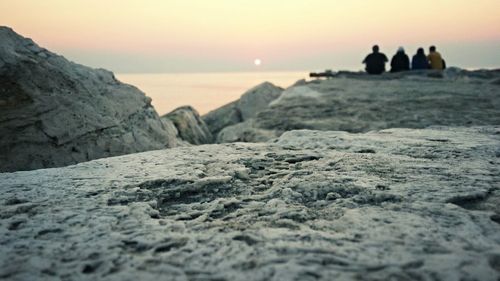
x=398, y=204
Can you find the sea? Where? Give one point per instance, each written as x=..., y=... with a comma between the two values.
x=203, y=91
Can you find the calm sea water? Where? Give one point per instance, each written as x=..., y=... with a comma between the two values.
x=203, y=91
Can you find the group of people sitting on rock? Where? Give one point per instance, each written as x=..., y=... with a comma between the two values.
x=375, y=62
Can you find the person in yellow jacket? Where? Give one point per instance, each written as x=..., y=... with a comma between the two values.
x=435, y=59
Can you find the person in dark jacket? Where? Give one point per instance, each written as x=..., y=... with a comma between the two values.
x=419, y=60
x=375, y=62
x=400, y=61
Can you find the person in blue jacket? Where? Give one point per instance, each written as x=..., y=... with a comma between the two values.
x=419, y=60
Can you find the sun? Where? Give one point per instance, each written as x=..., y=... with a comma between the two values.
x=257, y=62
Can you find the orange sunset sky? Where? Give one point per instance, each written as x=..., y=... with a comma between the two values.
x=228, y=35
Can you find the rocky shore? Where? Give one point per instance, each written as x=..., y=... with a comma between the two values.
x=357, y=102
x=391, y=177
x=56, y=112
x=398, y=204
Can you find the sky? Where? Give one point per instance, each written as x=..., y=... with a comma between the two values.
x=154, y=36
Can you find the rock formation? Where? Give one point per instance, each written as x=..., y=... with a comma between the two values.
x=357, y=102
x=245, y=132
x=399, y=204
x=247, y=107
x=323, y=204
x=190, y=126
x=54, y=112
x=256, y=99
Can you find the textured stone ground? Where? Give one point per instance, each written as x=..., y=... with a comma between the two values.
x=398, y=204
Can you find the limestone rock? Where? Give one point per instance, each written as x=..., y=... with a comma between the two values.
x=300, y=82
x=245, y=132
x=451, y=73
x=257, y=99
x=248, y=106
x=360, y=103
x=55, y=112
x=222, y=117
x=190, y=126
x=399, y=204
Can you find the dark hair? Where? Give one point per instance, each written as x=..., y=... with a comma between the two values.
x=420, y=51
x=375, y=48
x=432, y=48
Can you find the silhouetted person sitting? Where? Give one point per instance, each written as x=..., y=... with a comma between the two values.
x=435, y=59
x=419, y=60
x=375, y=62
x=400, y=61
